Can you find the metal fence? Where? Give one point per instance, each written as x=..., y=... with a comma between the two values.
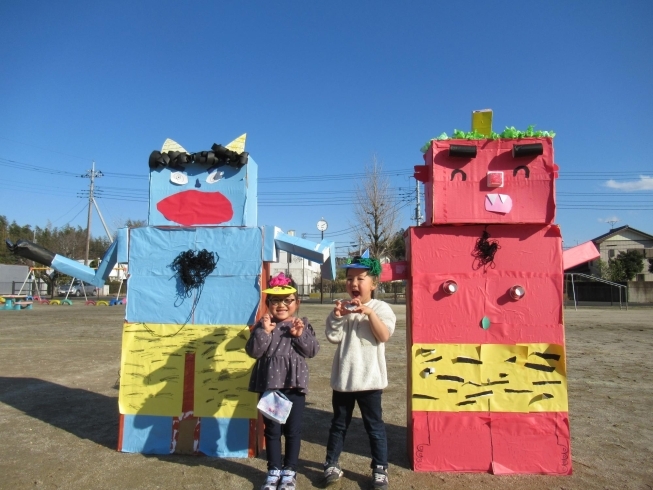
x=595, y=289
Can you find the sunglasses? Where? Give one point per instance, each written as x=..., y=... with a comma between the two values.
x=278, y=301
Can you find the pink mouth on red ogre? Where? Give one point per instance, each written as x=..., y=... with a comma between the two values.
x=498, y=203
x=196, y=208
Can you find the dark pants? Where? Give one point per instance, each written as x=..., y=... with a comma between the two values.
x=292, y=432
x=369, y=403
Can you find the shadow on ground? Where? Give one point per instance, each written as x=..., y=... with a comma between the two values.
x=94, y=417
x=83, y=413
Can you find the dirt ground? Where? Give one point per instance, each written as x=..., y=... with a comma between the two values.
x=59, y=367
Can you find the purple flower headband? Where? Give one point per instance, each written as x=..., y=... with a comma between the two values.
x=280, y=284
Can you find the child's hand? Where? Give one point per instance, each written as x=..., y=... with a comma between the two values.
x=268, y=324
x=297, y=327
x=340, y=309
x=355, y=306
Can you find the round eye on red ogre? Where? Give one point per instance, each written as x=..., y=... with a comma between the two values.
x=517, y=292
x=450, y=286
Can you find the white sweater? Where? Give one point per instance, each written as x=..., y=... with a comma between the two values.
x=359, y=361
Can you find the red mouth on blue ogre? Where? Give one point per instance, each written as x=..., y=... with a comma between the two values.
x=196, y=208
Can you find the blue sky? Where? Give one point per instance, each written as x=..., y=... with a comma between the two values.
x=321, y=88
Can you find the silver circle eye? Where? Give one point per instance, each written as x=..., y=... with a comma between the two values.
x=214, y=176
x=179, y=178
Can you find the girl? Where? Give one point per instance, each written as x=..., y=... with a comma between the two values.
x=281, y=342
x=360, y=328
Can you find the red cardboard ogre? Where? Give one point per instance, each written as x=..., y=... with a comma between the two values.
x=487, y=368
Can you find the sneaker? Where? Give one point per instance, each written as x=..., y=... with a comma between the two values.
x=380, y=478
x=332, y=473
x=272, y=480
x=288, y=480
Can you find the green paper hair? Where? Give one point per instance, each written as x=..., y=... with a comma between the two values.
x=508, y=133
x=374, y=265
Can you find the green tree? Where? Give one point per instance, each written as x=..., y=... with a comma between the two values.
x=629, y=264
x=611, y=270
x=134, y=223
x=67, y=241
x=397, y=247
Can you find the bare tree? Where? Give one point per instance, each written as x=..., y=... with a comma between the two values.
x=375, y=210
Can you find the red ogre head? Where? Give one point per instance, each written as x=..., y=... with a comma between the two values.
x=489, y=181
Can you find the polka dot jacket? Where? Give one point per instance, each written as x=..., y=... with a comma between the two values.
x=281, y=358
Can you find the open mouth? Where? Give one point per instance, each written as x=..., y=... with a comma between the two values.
x=196, y=208
x=355, y=294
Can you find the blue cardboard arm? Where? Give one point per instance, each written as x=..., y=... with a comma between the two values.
x=85, y=273
x=323, y=253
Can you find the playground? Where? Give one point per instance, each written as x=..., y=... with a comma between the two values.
x=59, y=368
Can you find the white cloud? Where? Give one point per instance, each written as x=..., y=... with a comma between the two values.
x=645, y=183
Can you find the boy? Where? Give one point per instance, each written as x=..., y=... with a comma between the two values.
x=360, y=327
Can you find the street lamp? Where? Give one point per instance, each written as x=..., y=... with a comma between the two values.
x=322, y=225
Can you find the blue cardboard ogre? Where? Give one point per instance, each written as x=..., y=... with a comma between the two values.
x=184, y=372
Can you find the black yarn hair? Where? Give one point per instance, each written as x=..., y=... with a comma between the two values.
x=191, y=268
x=484, y=251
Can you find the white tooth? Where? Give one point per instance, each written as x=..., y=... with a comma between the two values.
x=503, y=197
x=492, y=198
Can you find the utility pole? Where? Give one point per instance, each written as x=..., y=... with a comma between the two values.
x=418, y=216
x=303, y=272
x=90, y=174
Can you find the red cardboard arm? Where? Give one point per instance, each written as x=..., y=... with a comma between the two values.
x=579, y=255
x=394, y=271
x=421, y=173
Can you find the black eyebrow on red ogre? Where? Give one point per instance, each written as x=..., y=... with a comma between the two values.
x=527, y=172
x=458, y=171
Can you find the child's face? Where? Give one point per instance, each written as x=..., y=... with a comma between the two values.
x=279, y=309
x=360, y=284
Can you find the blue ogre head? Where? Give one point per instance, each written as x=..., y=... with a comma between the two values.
x=216, y=187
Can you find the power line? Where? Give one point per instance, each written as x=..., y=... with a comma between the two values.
x=74, y=206
x=564, y=175
x=5, y=162
x=49, y=150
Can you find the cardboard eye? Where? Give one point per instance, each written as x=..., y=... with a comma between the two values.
x=179, y=178
x=214, y=176
x=517, y=292
x=450, y=286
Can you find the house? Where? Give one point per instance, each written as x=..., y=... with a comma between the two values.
x=304, y=272
x=623, y=239
x=10, y=276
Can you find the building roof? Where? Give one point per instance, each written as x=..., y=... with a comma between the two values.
x=616, y=231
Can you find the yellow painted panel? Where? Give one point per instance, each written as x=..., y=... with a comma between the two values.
x=222, y=372
x=489, y=377
x=482, y=122
x=152, y=369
